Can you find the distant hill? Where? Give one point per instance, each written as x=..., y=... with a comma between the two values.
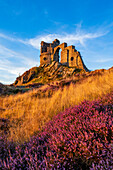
x=4, y=89
x=9, y=89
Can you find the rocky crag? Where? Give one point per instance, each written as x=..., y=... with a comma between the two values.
x=54, y=72
x=47, y=73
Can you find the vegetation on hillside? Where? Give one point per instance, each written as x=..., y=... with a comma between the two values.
x=78, y=138
x=29, y=112
x=63, y=125
x=46, y=74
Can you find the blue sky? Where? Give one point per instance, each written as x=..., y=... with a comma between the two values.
x=87, y=24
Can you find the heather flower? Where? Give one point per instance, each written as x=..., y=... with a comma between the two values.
x=78, y=138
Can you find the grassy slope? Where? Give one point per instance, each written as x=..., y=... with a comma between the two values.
x=28, y=113
x=78, y=138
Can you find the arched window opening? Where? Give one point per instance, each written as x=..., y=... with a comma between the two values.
x=57, y=56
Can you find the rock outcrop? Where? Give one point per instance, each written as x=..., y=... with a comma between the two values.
x=27, y=76
x=46, y=73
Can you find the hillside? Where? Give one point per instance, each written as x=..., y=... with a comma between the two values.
x=47, y=73
x=78, y=138
x=39, y=105
x=49, y=77
x=55, y=73
x=42, y=120
x=52, y=77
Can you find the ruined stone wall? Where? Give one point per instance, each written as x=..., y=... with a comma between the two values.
x=65, y=57
x=69, y=55
x=45, y=58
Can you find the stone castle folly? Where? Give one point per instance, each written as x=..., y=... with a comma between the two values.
x=69, y=55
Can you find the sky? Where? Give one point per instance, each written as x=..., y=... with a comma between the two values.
x=87, y=24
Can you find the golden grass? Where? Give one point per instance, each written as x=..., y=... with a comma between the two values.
x=1, y=102
x=28, y=113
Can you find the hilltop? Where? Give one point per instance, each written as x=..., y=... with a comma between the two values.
x=49, y=77
x=52, y=68
x=54, y=74
x=47, y=73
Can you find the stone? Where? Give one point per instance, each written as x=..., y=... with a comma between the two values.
x=70, y=57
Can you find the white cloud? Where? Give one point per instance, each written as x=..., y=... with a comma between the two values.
x=12, y=38
x=6, y=81
x=74, y=38
x=6, y=53
x=11, y=68
x=104, y=60
x=13, y=64
x=78, y=37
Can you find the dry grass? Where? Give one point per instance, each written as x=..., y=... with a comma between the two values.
x=28, y=113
